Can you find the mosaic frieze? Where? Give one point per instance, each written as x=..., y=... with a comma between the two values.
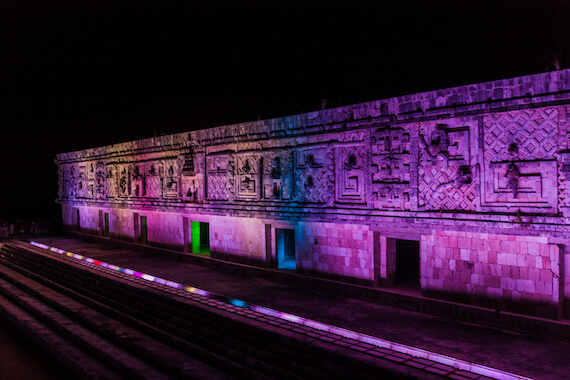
x=519, y=150
x=153, y=181
x=350, y=170
x=248, y=176
x=170, y=178
x=111, y=181
x=220, y=178
x=313, y=173
x=521, y=135
x=446, y=178
x=390, y=168
x=100, y=180
x=276, y=176
x=192, y=179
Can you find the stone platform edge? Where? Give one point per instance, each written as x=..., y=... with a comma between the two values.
x=540, y=327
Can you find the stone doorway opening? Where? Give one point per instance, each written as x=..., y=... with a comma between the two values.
x=285, y=248
x=200, y=238
x=407, y=264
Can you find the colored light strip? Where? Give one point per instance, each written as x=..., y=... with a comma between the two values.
x=413, y=351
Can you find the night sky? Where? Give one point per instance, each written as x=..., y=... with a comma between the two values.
x=81, y=74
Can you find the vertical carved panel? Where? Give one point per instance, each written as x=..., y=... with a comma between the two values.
x=153, y=182
x=248, y=177
x=193, y=178
x=276, y=176
x=220, y=181
x=84, y=188
x=350, y=173
x=446, y=179
x=100, y=180
x=111, y=184
x=391, y=168
x=313, y=182
x=136, y=173
x=170, y=179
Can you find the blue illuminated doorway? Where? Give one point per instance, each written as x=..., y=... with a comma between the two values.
x=285, y=248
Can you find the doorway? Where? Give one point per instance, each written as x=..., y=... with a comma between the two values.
x=106, y=226
x=407, y=264
x=144, y=231
x=285, y=248
x=200, y=238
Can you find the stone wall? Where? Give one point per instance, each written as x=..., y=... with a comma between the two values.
x=475, y=176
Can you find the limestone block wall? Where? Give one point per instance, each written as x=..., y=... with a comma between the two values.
x=164, y=229
x=243, y=238
x=510, y=272
x=340, y=251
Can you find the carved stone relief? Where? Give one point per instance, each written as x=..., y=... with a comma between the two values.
x=153, y=181
x=170, y=179
x=350, y=170
x=192, y=176
x=391, y=168
x=519, y=150
x=220, y=178
x=84, y=187
x=100, y=180
x=276, y=176
x=248, y=176
x=111, y=179
x=123, y=180
x=446, y=178
x=137, y=180
x=313, y=183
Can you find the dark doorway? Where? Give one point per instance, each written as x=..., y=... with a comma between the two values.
x=408, y=263
x=78, y=220
x=107, y=231
x=285, y=248
x=144, y=231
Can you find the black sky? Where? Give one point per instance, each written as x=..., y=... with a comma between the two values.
x=80, y=74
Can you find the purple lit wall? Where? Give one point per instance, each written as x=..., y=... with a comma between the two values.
x=458, y=193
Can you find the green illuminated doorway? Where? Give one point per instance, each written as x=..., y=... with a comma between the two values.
x=200, y=238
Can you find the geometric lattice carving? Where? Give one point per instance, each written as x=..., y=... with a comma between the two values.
x=220, y=178
x=111, y=179
x=521, y=135
x=441, y=188
x=350, y=172
x=445, y=178
x=153, y=182
x=312, y=176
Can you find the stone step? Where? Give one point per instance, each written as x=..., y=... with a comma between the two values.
x=80, y=363
x=119, y=360
x=255, y=345
x=148, y=349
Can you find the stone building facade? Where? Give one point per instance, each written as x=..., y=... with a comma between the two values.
x=460, y=192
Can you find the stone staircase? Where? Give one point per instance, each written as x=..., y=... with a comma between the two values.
x=104, y=325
